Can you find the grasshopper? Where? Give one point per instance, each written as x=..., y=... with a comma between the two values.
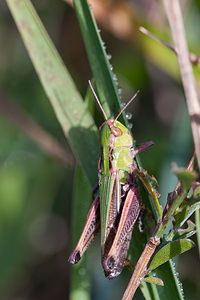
x=117, y=204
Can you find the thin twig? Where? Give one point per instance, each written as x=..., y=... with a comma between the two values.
x=43, y=139
x=155, y=37
x=174, y=15
x=194, y=59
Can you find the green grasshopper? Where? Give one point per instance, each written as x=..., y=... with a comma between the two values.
x=117, y=204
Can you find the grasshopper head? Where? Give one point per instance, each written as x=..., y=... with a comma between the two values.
x=114, y=127
x=118, y=131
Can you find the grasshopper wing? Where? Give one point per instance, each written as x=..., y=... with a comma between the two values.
x=110, y=201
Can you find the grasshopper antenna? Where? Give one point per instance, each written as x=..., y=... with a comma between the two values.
x=97, y=100
x=127, y=104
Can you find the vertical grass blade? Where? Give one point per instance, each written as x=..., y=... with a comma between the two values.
x=172, y=288
x=80, y=279
x=105, y=80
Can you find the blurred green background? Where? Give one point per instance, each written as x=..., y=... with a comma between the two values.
x=36, y=185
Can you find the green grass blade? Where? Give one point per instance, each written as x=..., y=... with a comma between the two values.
x=70, y=110
x=172, y=288
x=104, y=78
x=80, y=281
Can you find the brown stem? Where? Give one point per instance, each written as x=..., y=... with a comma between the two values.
x=140, y=268
x=174, y=15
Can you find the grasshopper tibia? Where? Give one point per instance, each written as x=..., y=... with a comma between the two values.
x=91, y=228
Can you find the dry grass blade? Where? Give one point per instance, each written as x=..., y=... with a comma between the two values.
x=174, y=15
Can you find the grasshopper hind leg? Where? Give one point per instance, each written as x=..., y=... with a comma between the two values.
x=91, y=228
x=114, y=262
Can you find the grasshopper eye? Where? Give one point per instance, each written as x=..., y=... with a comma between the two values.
x=116, y=131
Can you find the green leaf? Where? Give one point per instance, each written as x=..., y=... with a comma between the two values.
x=71, y=112
x=154, y=280
x=169, y=251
